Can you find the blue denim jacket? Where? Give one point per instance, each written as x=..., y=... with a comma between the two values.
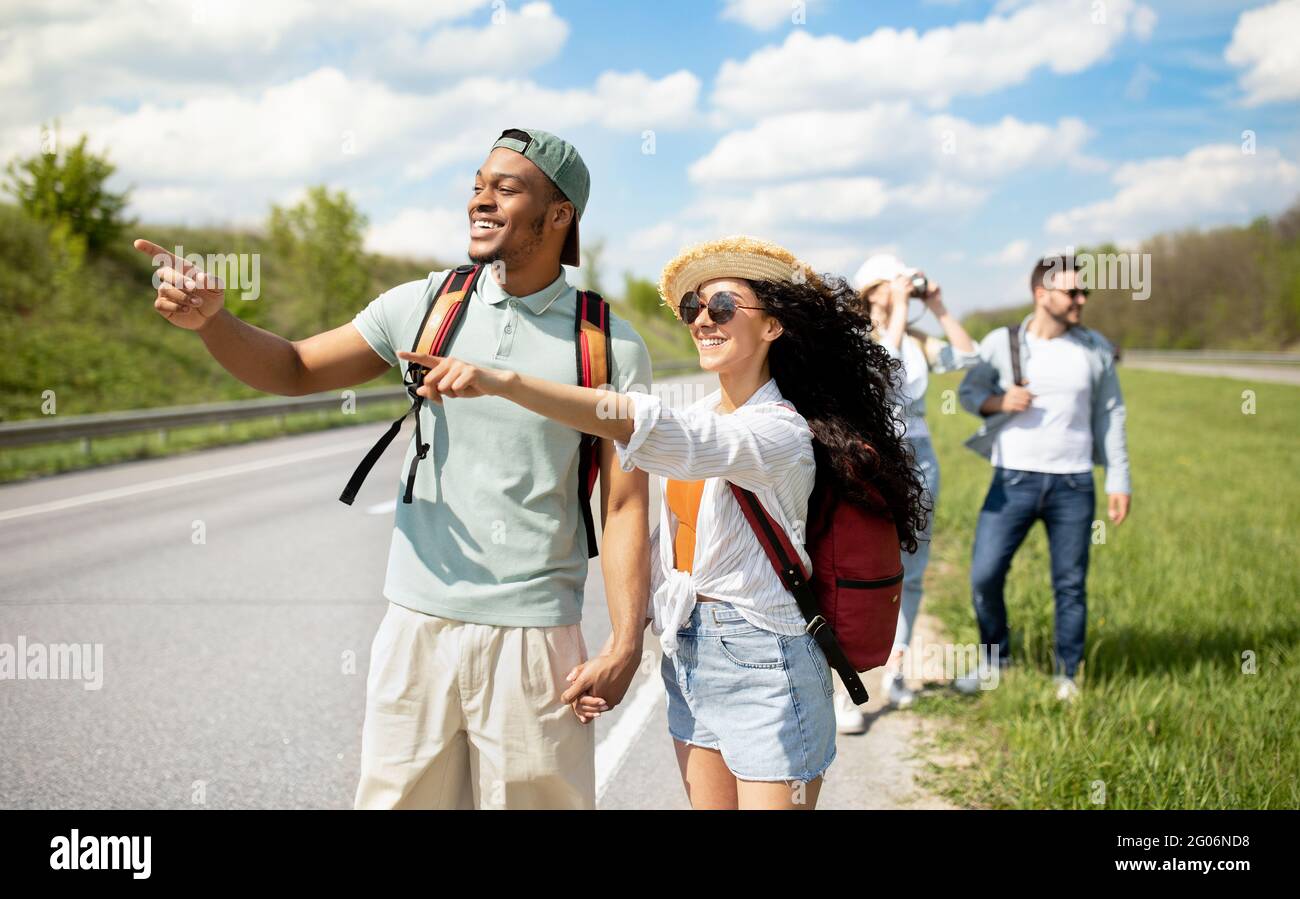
x=992, y=375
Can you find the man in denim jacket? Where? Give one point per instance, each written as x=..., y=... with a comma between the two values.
x=1043, y=437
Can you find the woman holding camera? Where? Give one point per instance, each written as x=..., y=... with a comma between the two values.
x=886, y=288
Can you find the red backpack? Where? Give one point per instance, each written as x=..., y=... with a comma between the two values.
x=445, y=311
x=851, y=605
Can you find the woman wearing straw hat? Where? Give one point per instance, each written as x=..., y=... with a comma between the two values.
x=749, y=691
x=885, y=288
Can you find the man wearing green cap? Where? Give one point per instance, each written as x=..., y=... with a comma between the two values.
x=467, y=698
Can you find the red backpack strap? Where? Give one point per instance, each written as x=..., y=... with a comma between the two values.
x=593, y=355
x=785, y=560
x=443, y=315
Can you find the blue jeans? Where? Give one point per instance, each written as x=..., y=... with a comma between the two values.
x=1016, y=499
x=914, y=564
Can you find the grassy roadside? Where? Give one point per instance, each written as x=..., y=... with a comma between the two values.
x=1197, y=585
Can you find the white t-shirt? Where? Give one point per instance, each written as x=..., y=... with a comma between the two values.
x=1055, y=433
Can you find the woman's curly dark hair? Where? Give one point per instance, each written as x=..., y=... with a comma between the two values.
x=841, y=381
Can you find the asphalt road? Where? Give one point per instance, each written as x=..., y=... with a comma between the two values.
x=1279, y=374
x=233, y=667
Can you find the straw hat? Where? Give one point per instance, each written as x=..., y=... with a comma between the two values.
x=731, y=257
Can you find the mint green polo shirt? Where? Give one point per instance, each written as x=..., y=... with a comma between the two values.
x=494, y=533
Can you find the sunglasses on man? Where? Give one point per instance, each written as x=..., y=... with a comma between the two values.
x=1074, y=293
x=722, y=306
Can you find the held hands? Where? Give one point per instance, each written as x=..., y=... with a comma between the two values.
x=187, y=297
x=452, y=377
x=606, y=675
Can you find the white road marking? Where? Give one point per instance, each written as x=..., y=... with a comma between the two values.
x=100, y=496
x=614, y=749
x=383, y=508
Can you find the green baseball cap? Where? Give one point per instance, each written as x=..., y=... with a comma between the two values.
x=558, y=159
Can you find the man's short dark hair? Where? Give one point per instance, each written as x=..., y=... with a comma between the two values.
x=1050, y=264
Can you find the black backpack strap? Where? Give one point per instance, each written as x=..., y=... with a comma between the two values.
x=781, y=553
x=1013, y=339
x=444, y=312
x=593, y=353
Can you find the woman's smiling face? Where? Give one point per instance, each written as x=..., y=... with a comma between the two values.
x=735, y=344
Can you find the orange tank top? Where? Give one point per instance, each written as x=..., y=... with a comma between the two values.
x=684, y=501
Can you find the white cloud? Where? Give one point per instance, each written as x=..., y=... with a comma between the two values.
x=76, y=53
x=1214, y=184
x=828, y=202
x=1266, y=42
x=512, y=42
x=970, y=58
x=761, y=15
x=1014, y=253
x=439, y=232
x=1144, y=22
x=632, y=101
x=889, y=135
x=326, y=126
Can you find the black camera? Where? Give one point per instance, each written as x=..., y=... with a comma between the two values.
x=920, y=286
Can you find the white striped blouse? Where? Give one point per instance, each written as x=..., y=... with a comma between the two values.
x=763, y=446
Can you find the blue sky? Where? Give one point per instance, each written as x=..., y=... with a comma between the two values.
x=965, y=136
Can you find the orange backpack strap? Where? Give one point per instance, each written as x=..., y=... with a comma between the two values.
x=593, y=352
x=443, y=315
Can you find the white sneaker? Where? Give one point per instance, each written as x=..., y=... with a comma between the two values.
x=897, y=692
x=1066, y=689
x=968, y=684
x=848, y=718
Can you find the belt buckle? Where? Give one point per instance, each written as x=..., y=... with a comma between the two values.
x=815, y=625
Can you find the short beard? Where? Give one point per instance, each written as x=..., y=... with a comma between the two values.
x=1063, y=319
x=519, y=254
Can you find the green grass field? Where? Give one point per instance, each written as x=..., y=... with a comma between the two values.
x=1199, y=585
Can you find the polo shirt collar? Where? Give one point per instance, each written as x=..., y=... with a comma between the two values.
x=537, y=303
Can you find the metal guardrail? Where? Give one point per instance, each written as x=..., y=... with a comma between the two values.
x=1213, y=356
x=55, y=428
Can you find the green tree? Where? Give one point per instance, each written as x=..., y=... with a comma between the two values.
x=642, y=295
x=67, y=188
x=320, y=240
x=593, y=253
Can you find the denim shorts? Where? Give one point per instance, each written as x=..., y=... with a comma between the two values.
x=763, y=699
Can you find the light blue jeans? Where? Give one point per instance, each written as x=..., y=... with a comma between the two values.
x=762, y=699
x=914, y=564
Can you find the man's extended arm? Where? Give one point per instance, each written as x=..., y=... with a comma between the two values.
x=195, y=301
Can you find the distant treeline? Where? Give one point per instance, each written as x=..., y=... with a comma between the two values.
x=1228, y=288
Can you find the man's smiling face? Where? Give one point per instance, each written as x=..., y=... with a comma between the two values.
x=510, y=209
